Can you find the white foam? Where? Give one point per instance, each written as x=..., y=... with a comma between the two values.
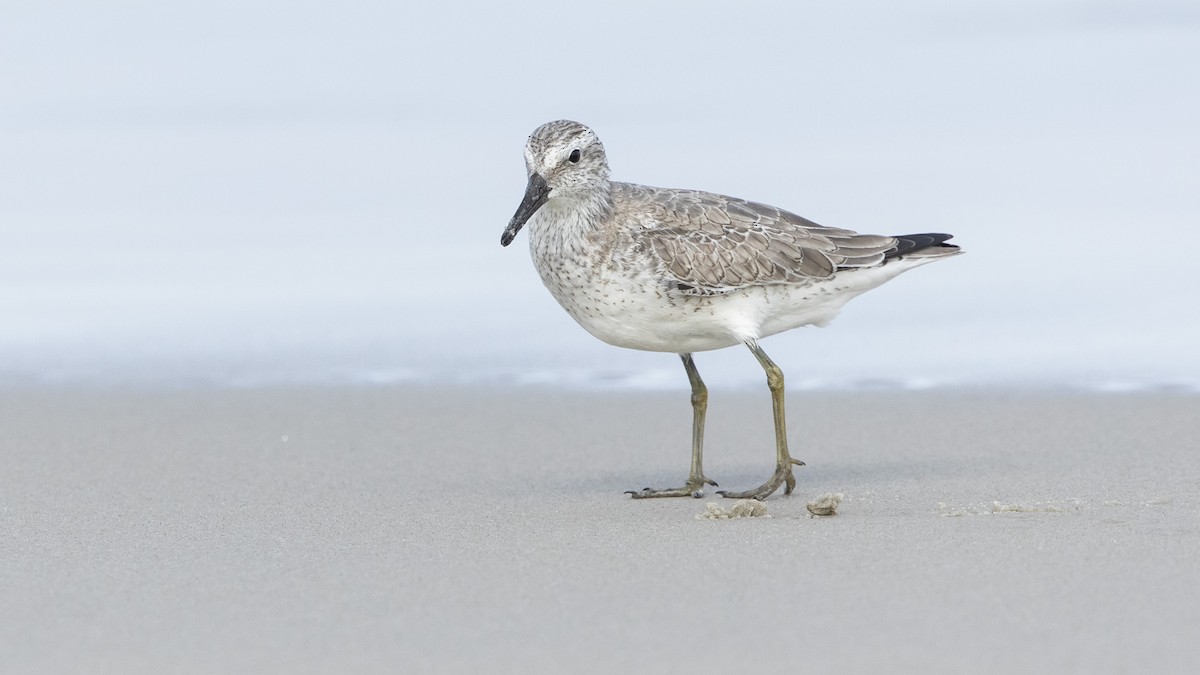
x=743, y=508
x=826, y=504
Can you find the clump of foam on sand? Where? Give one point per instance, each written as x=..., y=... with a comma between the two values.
x=826, y=504
x=998, y=507
x=1050, y=506
x=743, y=508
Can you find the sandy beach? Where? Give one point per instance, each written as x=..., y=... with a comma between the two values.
x=416, y=529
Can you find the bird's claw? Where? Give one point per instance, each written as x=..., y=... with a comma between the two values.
x=694, y=488
x=782, y=476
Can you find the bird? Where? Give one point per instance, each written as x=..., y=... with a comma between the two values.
x=686, y=271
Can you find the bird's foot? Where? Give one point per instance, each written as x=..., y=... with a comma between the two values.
x=783, y=476
x=693, y=488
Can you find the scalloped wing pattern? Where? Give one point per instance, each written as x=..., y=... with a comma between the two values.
x=712, y=244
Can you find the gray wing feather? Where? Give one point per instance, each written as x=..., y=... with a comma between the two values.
x=714, y=244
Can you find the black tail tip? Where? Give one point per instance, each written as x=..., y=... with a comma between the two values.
x=908, y=243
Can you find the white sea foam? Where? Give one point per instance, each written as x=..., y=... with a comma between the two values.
x=247, y=375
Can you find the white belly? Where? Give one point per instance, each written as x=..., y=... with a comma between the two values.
x=639, y=311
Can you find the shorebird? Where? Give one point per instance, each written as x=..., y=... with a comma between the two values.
x=685, y=271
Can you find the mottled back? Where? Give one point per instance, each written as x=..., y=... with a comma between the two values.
x=711, y=244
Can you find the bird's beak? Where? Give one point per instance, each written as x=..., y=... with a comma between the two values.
x=536, y=194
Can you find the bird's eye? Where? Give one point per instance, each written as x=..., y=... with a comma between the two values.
x=574, y=157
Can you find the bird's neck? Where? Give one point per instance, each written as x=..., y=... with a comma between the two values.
x=573, y=219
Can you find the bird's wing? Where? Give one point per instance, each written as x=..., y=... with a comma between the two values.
x=710, y=244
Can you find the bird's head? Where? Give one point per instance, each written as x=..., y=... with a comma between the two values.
x=565, y=161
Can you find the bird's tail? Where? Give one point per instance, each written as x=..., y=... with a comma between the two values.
x=929, y=245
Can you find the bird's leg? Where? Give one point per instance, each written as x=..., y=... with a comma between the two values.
x=696, y=480
x=783, y=461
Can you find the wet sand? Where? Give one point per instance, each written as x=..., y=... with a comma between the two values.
x=412, y=529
